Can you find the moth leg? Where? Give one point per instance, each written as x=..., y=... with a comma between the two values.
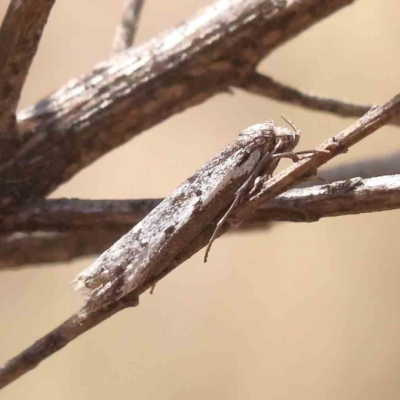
x=270, y=165
x=311, y=152
x=290, y=154
x=242, y=191
x=294, y=155
x=238, y=198
x=257, y=184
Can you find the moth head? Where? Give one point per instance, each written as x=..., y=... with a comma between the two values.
x=291, y=136
x=267, y=130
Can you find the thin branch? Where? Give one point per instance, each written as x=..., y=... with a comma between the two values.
x=79, y=215
x=265, y=86
x=353, y=196
x=81, y=322
x=58, y=338
x=386, y=164
x=145, y=85
x=126, y=30
x=23, y=249
x=349, y=197
x=20, y=35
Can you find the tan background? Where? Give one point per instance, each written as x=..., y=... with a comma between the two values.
x=299, y=312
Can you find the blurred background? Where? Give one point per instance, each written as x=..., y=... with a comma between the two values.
x=301, y=311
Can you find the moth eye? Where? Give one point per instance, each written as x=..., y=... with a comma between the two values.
x=87, y=283
x=94, y=282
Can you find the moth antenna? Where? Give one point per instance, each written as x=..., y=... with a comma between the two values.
x=292, y=125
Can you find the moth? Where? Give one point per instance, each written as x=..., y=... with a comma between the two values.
x=211, y=193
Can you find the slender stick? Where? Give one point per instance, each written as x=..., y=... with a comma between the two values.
x=349, y=197
x=57, y=339
x=20, y=35
x=127, y=28
x=76, y=215
x=41, y=248
x=267, y=87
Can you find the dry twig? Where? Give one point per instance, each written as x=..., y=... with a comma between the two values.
x=80, y=323
x=265, y=86
x=126, y=30
x=20, y=33
x=60, y=337
x=353, y=196
x=79, y=215
x=41, y=248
